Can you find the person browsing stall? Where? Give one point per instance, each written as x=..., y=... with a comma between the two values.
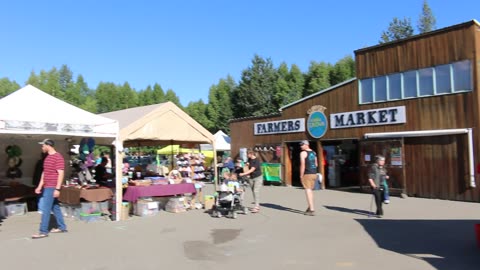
x=101, y=174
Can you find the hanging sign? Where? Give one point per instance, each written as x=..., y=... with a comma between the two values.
x=317, y=121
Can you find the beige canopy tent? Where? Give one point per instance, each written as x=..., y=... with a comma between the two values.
x=157, y=124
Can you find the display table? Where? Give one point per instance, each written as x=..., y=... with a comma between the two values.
x=16, y=192
x=72, y=195
x=135, y=192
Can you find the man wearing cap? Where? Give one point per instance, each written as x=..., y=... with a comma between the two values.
x=308, y=174
x=49, y=186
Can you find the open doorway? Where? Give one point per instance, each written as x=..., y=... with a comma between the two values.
x=294, y=151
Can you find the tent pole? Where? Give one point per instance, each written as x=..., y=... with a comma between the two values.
x=215, y=166
x=118, y=179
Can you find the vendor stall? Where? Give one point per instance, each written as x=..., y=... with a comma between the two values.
x=134, y=192
x=155, y=125
x=30, y=115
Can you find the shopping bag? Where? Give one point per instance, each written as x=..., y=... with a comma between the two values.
x=318, y=182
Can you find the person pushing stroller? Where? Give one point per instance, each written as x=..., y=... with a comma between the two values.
x=230, y=197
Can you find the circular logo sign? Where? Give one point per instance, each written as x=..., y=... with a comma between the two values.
x=317, y=124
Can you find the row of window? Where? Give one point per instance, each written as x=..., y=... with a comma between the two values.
x=439, y=80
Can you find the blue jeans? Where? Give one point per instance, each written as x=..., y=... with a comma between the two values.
x=49, y=203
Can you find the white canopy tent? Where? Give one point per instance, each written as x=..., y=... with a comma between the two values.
x=222, y=142
x=30, y=115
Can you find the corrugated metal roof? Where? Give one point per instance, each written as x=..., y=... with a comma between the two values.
x=254, y=117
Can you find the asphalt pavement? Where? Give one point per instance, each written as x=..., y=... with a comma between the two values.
x=414, y=233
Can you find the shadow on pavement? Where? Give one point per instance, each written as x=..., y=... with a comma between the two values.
x=348, y=210
x=281, y=208
x=444, y=244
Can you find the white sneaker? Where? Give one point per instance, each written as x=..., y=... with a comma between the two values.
x=386, y=201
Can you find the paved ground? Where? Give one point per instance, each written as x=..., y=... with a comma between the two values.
x=414, y=234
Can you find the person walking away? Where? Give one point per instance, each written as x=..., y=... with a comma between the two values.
x=308, y=174
x=377, y=177
x=256, y=178
x=49, y=186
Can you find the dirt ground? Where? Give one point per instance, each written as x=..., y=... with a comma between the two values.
x=414, y=234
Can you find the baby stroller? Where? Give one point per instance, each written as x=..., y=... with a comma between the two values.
x=229, y=202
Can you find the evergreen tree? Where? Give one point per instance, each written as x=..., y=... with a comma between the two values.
x=128, y=97
x=343, y=70
x=65, y=79
x=219, y=107
x=427, y=21
x=7, y=87
x=158, y=95
x=398, y=29
x=317, y=78
x=145, y=97
x=172, y=96
x=254, y=95
x=296, y=82
x=197, y=110
x=107, y=98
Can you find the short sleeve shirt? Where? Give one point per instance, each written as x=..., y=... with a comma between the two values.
x=51, y=165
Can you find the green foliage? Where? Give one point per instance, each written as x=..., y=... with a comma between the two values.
x=262, y=90
x=254, y=95
x=219, y=109
x=171, y=96
x=158, y=95
x=426, y=21
x=317, y=77
x=397, y=29
x=343, y=70
x=7, y=87
x=197, y=110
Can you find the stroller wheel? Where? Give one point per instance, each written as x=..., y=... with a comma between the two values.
x=219, y=215
x=245, y=210
x=234, y=215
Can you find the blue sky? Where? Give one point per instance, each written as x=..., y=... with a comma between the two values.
x=188, y=46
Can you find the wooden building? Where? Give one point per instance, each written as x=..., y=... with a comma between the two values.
x=415, y=101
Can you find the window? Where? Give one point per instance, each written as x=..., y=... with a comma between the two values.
x=410, y=84
x=443, y=84
x=381, y=89
x=462, y=76
x=438, y=80
x=366, y=87
x=425, y=79
x=394, y=86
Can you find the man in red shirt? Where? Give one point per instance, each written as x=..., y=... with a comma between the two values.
x=49, y=186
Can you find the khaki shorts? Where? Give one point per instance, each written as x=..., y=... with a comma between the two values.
x=308, y=181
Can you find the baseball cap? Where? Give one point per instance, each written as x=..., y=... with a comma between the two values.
x=304, y=142
x=47, y=142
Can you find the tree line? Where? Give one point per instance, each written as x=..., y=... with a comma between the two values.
x=262, y=90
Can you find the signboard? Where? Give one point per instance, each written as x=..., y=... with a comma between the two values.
x=374, y=117
x=281, y=126
x=317, y=122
